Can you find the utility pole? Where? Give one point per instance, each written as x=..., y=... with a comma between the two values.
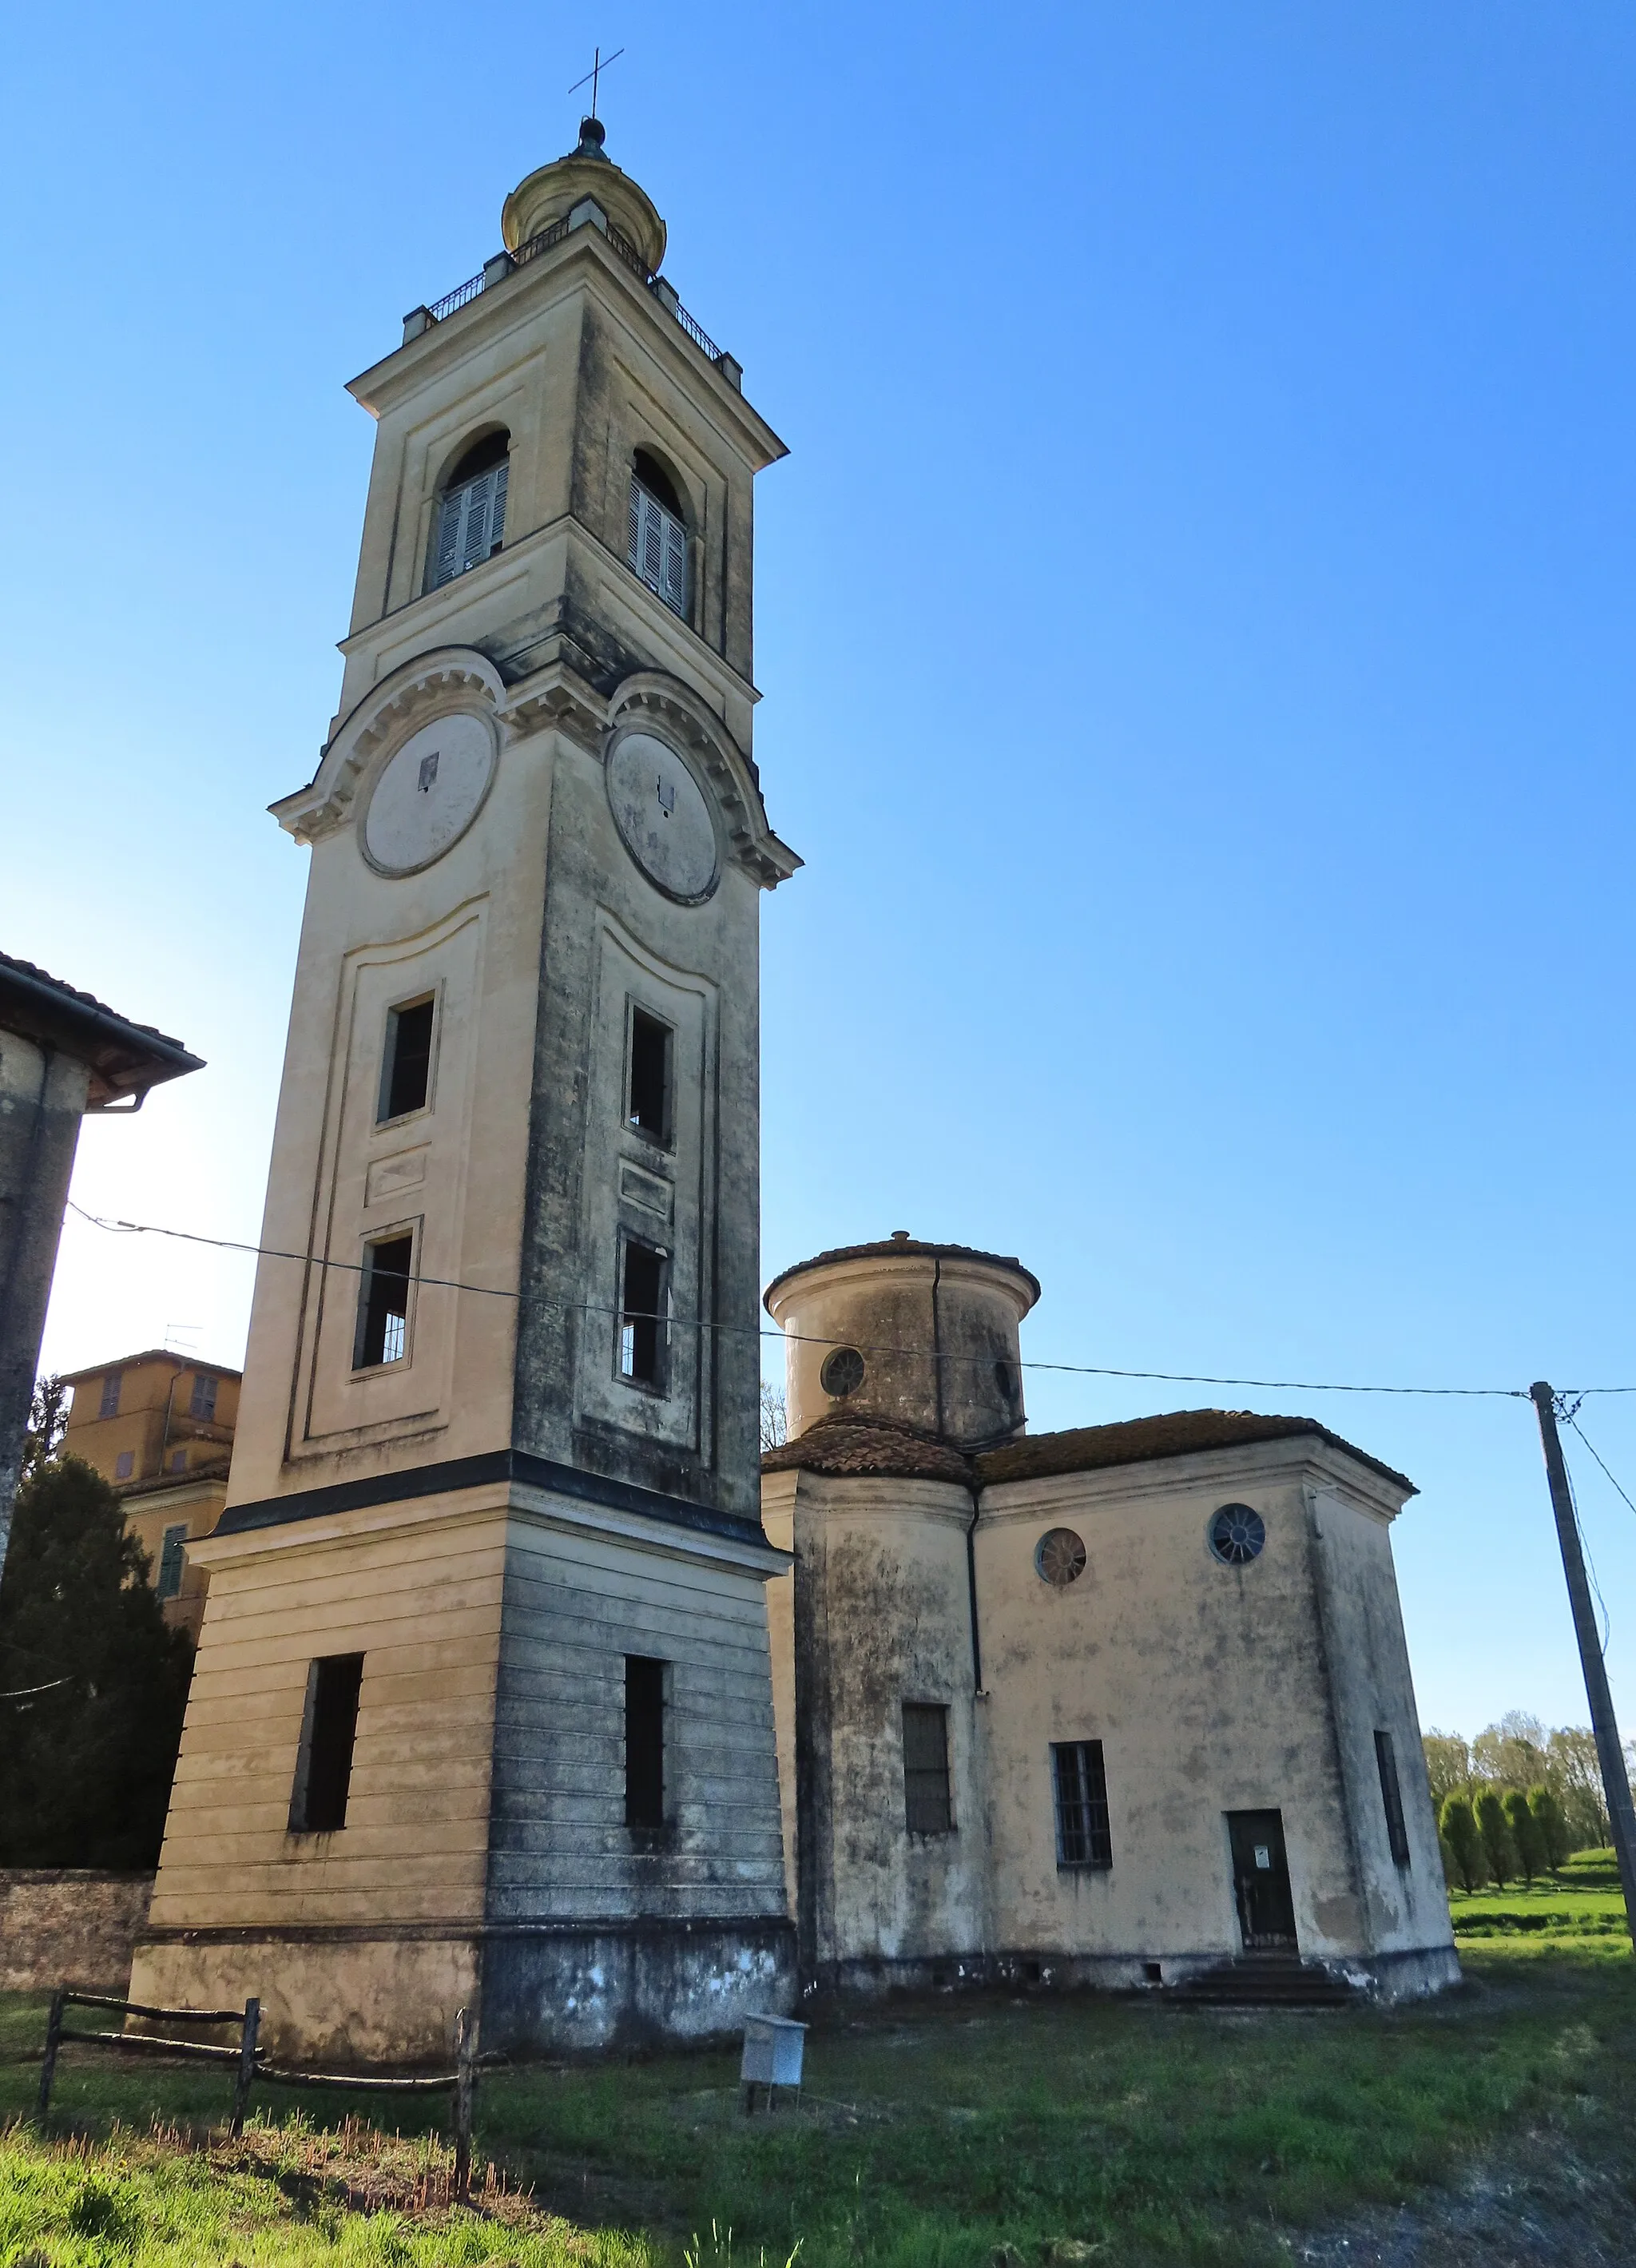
x=1615, y=1779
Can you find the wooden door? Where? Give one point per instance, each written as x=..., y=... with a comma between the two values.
x=1266, y=1912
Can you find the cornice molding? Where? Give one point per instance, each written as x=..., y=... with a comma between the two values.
x=449, y=677
x=686, y=719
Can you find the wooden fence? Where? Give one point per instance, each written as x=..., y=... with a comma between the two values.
x=251, y=2067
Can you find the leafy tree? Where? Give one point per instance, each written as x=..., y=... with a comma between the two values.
x=1448, y=1764
x=1574, y=1777
x=1526, y=1839
x=94, y=1682
x=1512, y=1753
x=1462, y=1841
x=1552, y=1826
x=1496, y=1835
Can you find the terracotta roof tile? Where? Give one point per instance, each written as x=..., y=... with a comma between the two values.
x=861, y=1445
x=1139, y=1441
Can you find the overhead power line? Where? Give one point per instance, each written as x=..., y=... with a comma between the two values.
x=739, y=1331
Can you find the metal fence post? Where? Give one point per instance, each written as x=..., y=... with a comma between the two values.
x=465, y=2083
x=48, y=2065
x=247, y=2066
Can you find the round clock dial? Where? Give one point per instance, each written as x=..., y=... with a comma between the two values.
x=662, y=817
x=428, y=794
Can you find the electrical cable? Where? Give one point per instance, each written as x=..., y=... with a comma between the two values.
x=739, y=1331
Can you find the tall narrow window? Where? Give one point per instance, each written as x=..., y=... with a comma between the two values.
x=172, y=1555
x=124, y=1464
x=406, y=1061
x=202, y=1401
x=108, y=1407
x=383, y=1303
x=471, y=514
x=642, y=1316
x=645, y=1744
x=927, y=1808
x=648, y=1099
x=1081, y=1789
x=656, y=533
x=1391, y=1797
x=323, y=1771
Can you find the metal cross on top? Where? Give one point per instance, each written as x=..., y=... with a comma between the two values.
x=595, y=72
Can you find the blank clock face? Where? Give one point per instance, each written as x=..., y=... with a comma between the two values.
x=428, y=794
x=662, y=817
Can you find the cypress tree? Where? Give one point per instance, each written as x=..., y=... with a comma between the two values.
x=1526, y=1839
x=96, y=1682
x=1491, y=1825
x=1552, y=1822
x=1462, y=1841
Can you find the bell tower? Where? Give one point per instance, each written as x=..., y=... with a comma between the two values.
x=482, y=1710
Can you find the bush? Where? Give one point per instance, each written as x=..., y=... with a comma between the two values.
x=1496, y=1836
x=1526, y=1839
x=1462, y=1841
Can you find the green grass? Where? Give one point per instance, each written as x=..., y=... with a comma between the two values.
x=1582, y=1900
x=930, y=2136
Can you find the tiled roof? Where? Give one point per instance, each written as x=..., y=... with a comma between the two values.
x=86, y=999
x=888, y=1247
x=859, y=1445
x=1139, y=1441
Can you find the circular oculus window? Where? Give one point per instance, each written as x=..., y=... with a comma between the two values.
x=1059, y=1557
x=429, y=793
x=1236, y=1535
x=663, y=819
x=842, y=1373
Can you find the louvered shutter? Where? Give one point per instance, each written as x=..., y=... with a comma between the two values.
x=497, y=514
x=475, y=532
x=633, y=525
x=448, y=540
x=652, y=544
x=675, y=589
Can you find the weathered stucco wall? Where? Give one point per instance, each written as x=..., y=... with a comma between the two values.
x=59, y=1926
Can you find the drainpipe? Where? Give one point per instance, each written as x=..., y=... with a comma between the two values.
x=971, y=1586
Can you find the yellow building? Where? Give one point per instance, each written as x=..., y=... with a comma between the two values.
x=160, y=1426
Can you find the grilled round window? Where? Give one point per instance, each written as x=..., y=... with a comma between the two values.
x=843, y=1372
x=1236, y=1535
x=1059, y=1557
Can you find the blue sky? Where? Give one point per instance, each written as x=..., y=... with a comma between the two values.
x=1194, y=624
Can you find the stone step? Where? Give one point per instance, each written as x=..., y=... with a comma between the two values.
x=1263, y=1981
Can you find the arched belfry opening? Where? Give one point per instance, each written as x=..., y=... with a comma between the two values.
x=656, y=531
x=469, y=525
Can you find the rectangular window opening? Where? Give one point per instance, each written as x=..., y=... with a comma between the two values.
x=108, y=1407
x=645, y=1744
x=202, y=1403
x=324, y=1773
x=383, y=1303
x=642, y=1316
x=406, y=1065
x=1081, y=1791
x=647, y=1109
x=1391, y=1797
x=928, y=1808
x=172, y=1560
x=124, y=1464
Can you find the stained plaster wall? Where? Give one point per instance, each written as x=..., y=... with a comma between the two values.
x=1212, y=1690
x=875, y=1615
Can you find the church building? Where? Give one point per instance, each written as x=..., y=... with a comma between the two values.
x=521, y=1685
x=1128, y=1705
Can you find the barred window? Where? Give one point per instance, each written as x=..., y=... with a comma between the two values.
x=1082, y=1835
x=202, y=1401
x=927, y=1806
x=108, y=1407
x=383, y=1303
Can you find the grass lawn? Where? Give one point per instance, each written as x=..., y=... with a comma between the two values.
x=1583, y=1899
x=931, y=2136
